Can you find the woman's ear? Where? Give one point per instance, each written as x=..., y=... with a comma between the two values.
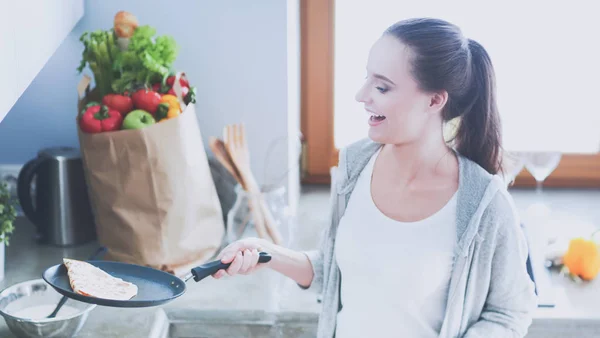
x=438, y=101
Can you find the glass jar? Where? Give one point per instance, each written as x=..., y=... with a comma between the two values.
x=239, y=218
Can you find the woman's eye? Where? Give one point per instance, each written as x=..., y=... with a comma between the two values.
x=382, y=90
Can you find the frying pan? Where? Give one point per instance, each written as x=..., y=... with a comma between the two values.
x=155, y=287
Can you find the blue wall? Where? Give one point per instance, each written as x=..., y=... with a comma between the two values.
x=233, y=51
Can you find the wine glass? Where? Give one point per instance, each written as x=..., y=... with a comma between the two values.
x=541, y=164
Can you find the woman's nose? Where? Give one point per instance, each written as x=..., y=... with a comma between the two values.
x=361, y=95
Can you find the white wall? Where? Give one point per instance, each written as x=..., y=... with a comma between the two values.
x=27, y=48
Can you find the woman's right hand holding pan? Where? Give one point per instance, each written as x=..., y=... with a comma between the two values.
x=244, y=254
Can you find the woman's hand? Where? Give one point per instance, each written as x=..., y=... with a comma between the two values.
x=243, y=256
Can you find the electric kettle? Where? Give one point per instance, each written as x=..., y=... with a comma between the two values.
x=62, y=211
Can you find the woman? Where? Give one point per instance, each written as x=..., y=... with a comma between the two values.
x=424, y=240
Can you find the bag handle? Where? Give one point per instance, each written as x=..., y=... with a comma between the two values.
x=179, y=90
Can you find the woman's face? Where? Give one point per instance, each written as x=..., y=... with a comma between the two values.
x=399, y=112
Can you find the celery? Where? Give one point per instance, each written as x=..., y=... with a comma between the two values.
x=98, y=53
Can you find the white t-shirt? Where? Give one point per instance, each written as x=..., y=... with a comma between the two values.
x=395, y=275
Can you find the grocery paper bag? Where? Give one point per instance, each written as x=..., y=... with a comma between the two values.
x=152, y=193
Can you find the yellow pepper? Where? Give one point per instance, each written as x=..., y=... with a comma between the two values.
x=582, y=258
x=168, y=108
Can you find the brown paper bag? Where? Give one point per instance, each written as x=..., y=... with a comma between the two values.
x=152, y=192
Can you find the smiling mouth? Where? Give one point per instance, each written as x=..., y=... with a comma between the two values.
x=376, y=118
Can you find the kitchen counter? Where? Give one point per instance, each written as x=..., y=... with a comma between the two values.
x=25, y=260
x=262, y=292
x=561, y=214
x=266, y=298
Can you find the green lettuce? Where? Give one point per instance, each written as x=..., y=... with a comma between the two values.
x=147, y=60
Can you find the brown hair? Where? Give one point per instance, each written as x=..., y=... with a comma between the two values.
x=443, y=59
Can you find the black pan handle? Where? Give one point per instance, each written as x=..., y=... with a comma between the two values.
x=210, y=268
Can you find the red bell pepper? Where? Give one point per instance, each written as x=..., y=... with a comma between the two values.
x=89, y=104
x=97, y=119
x=147, y=100
x=118, y=102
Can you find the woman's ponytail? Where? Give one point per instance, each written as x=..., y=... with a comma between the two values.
x=479, y=132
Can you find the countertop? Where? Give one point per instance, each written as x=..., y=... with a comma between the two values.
x=577, y=310
x=561, y=214
x=264, y=291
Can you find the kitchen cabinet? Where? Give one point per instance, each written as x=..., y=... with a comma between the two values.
x=30, y=32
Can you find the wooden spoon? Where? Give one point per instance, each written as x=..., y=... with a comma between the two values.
x=218, y=148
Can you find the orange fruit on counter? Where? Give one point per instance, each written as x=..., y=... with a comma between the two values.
x=582, y=258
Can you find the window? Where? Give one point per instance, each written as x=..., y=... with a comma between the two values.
x=546, y=58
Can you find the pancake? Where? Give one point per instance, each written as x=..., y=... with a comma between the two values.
x=88, y=280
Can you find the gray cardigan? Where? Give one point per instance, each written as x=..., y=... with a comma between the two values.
x=490, y=295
